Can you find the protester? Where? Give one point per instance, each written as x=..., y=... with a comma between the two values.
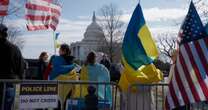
x=12, y=67
x=48, y=69
x=63, y=63
x=105, y=62
x=115, y=72
x=63, y=68
x=42, y=65
x=26, y=67
x=93, y=71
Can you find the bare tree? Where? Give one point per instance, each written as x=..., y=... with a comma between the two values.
x=116, y=49
x=167, y=42
x=110, y=20
x=14, y=37
x=202, y=7
x=15, y=11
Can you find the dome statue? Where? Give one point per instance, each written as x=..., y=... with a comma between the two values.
x=94, y=32
x=93, y=40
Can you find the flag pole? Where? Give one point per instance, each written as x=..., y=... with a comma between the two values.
x=54, y=41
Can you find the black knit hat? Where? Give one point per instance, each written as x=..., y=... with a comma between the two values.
x=3, y=28
x=91, y=90
x=3, y=31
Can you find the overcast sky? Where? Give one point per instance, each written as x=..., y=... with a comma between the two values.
x=160, y=15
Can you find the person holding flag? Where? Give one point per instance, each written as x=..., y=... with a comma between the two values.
x=64, y=68
x=138, y=52
x=92, y=71
x=57, y=45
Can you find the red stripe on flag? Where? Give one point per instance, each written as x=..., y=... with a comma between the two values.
x=54, y=23
x=3, y=13
x=37, y=7
x=53, y=10
x=173, y=95
x=4, y=2
x=37, y=18
x=181, y=86
x=49, y=1
x=42, y=8
x=51, y=19
x=188, y=77
x=40, y=27
x=201, y=56
x=53, y=26
x=55, y=19
x=196, y=70
x=167, y=106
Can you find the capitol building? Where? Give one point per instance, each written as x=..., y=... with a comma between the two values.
x=93, y=40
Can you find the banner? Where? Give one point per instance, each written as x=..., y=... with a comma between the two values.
x=36, y=96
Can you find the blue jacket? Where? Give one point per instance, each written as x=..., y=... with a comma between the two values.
x=59, y=67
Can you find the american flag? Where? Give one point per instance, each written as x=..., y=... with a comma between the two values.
x=42, y=14
x=189, y=83
x=4, y=4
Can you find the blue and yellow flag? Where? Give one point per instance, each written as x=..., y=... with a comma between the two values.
x=138, y=52
x=57, y=45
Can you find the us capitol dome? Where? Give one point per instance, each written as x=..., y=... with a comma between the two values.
x=92, y=41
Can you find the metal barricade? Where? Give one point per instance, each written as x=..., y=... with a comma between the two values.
x=152, y=97
x=76, y=87
x=146, y=96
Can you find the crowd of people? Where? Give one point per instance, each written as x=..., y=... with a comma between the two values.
x=59, y=67
x=63, y=67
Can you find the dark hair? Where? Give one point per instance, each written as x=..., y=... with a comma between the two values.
x=66, y=49
x=91, y=90
x=3, y=30
x=91, y=58
x=42, y=55
x=67, y=56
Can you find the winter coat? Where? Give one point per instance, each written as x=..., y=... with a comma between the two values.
x=11, y=61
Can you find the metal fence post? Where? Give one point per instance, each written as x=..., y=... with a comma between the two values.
x=4, y=96
x=117, y=102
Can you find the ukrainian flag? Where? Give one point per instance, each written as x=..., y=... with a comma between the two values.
x=57, y=45
x=138, y=52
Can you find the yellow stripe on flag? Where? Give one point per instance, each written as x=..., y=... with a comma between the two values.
x=144, y=75
x=147, y=42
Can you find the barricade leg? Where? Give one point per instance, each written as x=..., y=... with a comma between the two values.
x=2, y=94
x=9, y=96
x=124, y=101
x=141, y=99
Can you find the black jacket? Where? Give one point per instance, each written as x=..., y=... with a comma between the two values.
x=41, y=69
x=91, y=102
x=11, y=61
x=106, y=63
